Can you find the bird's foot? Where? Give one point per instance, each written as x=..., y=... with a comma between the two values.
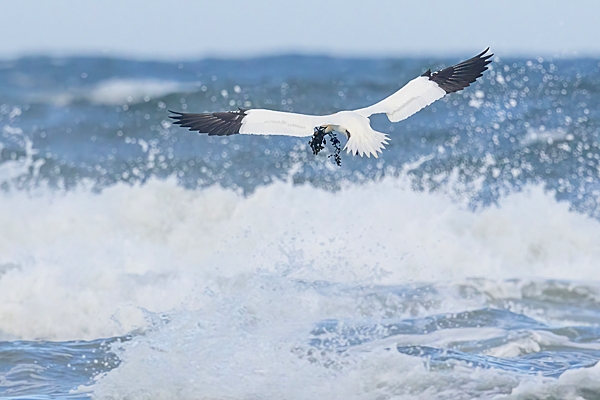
x=318, y=141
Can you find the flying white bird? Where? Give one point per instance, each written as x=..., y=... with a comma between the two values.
x=354, y=124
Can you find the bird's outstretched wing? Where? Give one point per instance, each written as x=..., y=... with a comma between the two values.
x=252, y=122
x=427, y=88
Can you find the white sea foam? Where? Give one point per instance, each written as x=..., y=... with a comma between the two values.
x=94, y=261
x=12, y=170
x=118, y=91
x=574, y=384
x=223, y=285
x=544, y=136
x=125, y=91
x=235, y=366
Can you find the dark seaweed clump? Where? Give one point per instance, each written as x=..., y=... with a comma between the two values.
x=318, y=142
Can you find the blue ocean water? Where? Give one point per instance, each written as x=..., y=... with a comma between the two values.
x=140, y=260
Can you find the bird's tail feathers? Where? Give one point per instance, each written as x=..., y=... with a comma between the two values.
x=366, y=143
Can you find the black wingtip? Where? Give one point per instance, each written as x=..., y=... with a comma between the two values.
x=483, y=52
x=484, y=57
x=460, y=76
x=217, y=123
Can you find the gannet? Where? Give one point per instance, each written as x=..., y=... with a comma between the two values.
x=354, y=124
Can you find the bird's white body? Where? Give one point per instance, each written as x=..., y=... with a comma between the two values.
x=362, y=139
x=355, y=124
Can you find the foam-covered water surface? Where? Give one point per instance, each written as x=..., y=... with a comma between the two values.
x=141, y=261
